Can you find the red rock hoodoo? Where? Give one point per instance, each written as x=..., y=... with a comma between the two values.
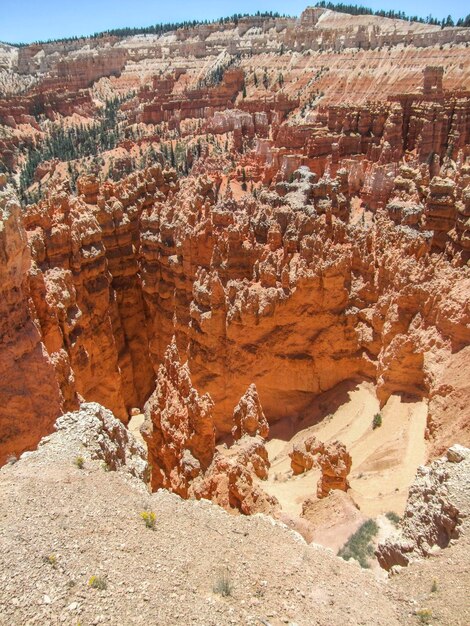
x=332, y=458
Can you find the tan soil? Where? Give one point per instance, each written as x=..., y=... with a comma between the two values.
x=384, y=463
x=61, y=525
x=88, y=520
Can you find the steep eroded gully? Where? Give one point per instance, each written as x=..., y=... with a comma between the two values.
x=259, y=290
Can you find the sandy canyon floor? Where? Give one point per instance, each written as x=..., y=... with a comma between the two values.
x=384, y=459
x=384, y=462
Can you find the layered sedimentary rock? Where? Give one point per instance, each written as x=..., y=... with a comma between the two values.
x=30, y=395
x=448, y=416
x=335, y=464
x=197, y=103
x=178, y=428
x=180, y=435
x=269, y=285
x=440, y=210
x=302, y=456
x=230, y=479
x=87, y=289
x=285, y=237
x=248, y=416
x=331, y=458
x=316, y=30
x=70, y=287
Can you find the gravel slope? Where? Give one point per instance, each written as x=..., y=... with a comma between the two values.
x=60, y=525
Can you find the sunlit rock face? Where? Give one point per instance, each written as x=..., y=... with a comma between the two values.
x=240, y=237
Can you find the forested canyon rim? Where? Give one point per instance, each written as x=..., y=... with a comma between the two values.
x=256, y=233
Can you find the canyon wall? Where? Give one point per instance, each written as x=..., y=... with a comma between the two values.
x=271, y=231
x=268, y=291
x=30, y=393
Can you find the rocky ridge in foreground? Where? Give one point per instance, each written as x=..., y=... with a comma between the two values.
x=437, y=511
x=87, y=523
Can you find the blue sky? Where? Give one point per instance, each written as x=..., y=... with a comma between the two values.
x=30, y=20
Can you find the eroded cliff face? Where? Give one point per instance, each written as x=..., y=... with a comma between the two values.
x=265, y=290
x=436, y=512
x=31, y=397
x=236, y=235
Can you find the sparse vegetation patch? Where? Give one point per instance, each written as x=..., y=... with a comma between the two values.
x=424, y=616
x=79, y=462
x=359, y=546
x=377, y=421
x=393, y=517
x=51, y=560
x=149, y=518
x=223, y=583
x=97, y=582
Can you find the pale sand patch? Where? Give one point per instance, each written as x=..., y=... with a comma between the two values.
x=291, y=492
x=384, y=460
x=388, y=457
x=134, y=425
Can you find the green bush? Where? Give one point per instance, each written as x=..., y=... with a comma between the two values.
x=377, y=421
x=359, y=546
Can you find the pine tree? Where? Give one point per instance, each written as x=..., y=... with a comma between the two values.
x=265, y=79
x=244, y=185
